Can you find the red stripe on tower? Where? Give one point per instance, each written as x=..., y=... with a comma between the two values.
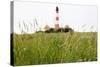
x=57, y=18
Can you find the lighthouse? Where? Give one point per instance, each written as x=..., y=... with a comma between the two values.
x=57, y=18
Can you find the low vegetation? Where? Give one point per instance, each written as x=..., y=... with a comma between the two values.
x=50, y=48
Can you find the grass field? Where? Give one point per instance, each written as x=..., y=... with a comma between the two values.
x=50, y=48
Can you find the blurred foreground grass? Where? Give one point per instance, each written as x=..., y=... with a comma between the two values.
x=50, y=48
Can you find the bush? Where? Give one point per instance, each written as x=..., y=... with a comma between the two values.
x=68, y=30
x=59, y=30
x=50, y=30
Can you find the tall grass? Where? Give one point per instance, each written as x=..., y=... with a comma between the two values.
x=49, y=48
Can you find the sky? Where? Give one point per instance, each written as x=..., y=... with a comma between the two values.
x=78, y=17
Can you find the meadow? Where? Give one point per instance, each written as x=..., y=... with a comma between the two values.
x=51, y=48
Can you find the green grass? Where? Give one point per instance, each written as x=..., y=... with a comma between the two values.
x=50, y=48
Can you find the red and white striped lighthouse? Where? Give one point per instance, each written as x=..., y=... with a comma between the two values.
x=57, y=18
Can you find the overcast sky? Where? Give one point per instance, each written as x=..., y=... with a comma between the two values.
x=78, y=17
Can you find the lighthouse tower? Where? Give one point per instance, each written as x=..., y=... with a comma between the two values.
x=57, y=18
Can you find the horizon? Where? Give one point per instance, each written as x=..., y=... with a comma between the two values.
x=79, y=18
